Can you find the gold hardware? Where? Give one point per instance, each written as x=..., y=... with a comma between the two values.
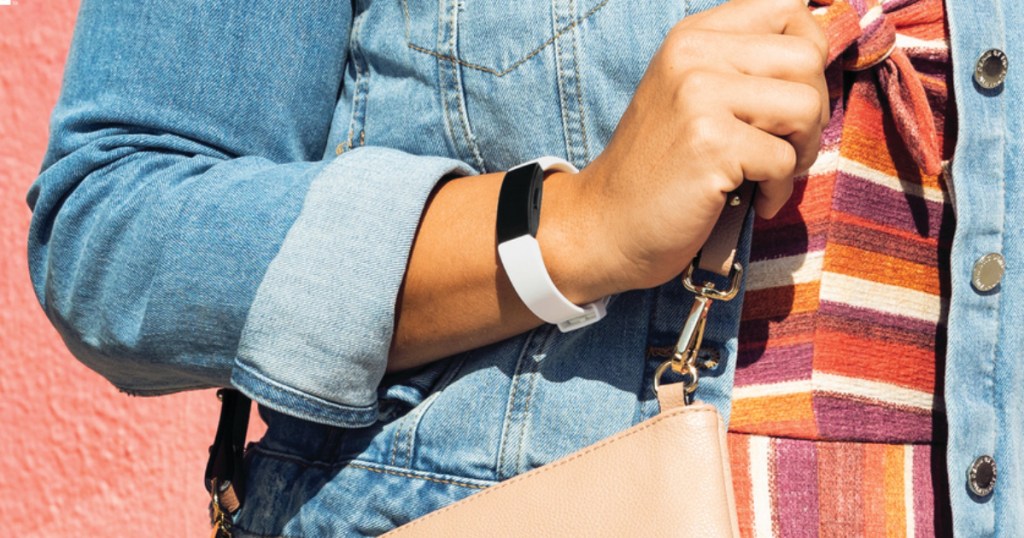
x=710, y=362
x=221, y=519
x=684, y=358
x=691, y=373
x=708, y=289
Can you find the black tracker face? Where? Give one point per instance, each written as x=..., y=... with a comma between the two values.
x=519, y=202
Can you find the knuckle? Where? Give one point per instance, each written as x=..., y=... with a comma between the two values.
x=792, y=7
x=706, y=135
x=786, y=160
x=809, y=156
x=822, y=44
x=683, y=41
x=694, y=82
x=728, y=182
x=809, y=105
x=809, y=55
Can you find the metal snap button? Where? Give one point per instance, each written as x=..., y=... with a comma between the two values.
x=981, y=477
x=990, y=71
x=988, y=271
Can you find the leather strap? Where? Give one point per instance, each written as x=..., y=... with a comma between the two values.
x=719, y=250
x=671, y=396
x=225, y=466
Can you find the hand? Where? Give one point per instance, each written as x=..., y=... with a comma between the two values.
x=736, y=92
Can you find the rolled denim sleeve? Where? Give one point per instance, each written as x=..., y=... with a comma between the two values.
x=186, y=232
x=330, y=293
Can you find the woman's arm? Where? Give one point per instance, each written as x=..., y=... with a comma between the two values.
x=737, y=92
x=185, y=235
x=185, y=232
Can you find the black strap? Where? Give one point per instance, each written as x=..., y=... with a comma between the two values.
x=225, y=468
x=519, y=202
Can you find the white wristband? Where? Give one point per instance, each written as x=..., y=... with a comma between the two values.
x=524, y=265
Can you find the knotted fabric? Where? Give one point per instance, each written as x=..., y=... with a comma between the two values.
x=862, y=36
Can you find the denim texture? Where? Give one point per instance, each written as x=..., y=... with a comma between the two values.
x=230, y=195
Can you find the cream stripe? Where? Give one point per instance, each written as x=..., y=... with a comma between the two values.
x=843, y=385
x=787, y=271
x=908, y=488
x=892, y=182
x=872, y=390
x=760, y=485
x=826, y=162
x=742, y=392
x=908, y=42
x=871, y=16
x=896, y=300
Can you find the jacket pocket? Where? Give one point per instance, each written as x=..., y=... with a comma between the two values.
x=492, y=37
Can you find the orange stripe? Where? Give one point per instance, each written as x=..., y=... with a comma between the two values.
x=870, y=128
x=887, y=362
x=840, y=479
x=880, y=268
x=874, y=507
x=781, y=302
x=739, y=461
x=788, y=415
x=854, y=220
x=895, y=507
x=807, y=195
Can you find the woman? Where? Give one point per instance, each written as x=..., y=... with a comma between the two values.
x=294, y=200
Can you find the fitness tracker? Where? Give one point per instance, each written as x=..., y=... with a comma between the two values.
x=519, y=252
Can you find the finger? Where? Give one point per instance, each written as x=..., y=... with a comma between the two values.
x=786, y=109
x=772, y=56
x=769, y=160
x=771, y=197
x=786, y=17
x=761, y=156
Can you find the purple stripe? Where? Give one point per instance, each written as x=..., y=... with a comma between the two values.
x=845, y=419
x=924, y=501
x=756, y=332
x=833, y=132
x=778, y=363
x=885, y=206
x=873, y=317
x=933, y=64
x=894, y=246
x=796, y=487
x=783, y=241
x=865, y=324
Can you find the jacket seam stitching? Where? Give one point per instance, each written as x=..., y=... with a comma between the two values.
x=302, y=462
x=579, y=89
x=417, y=477
x=510, y=407
x=520, y=453
x=521, y=61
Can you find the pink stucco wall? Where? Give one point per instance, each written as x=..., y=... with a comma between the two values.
x=76, y=457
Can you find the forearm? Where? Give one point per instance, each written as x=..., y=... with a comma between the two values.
x=457, y=297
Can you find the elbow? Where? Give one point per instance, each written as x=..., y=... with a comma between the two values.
x=90, y=267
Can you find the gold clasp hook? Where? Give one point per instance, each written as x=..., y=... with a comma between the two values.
x=708, y=288
x=684, y=359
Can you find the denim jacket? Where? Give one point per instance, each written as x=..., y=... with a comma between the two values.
x=230, y=195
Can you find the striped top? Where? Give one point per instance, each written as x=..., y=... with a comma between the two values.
x=843, y=328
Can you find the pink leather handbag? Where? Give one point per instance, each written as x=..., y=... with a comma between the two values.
x=667, y=476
